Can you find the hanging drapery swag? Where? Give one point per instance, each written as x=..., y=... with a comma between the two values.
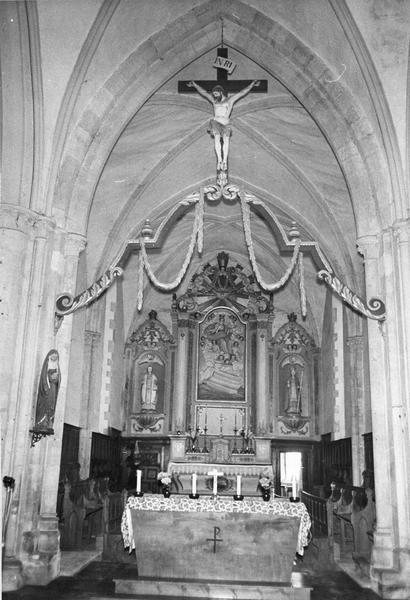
x=197, y=237
x=302, y=289
x=372, y=309
x=273, y=287
x=197, y=240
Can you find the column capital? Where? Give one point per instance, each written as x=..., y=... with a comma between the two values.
x=26, y=221
x=355, y=341
x=186, y=324
x=263, y=321
x=91, y=336
x=401, y=230
x=368, y=246
x=74, y=244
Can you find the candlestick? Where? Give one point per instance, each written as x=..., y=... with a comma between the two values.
x=139, y=473
x=238, y=485
x=194, y=483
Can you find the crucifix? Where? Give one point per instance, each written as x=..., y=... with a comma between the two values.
x=214, y=474
x=216, y=92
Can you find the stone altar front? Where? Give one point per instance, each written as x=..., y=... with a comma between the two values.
x=214, y=547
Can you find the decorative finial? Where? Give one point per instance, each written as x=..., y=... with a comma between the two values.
x=293, y=231
x=147, y=231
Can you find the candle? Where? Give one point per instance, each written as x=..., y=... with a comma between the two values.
x=139, y=473
x=294, y=487
x=206, y=416
x=238, y=485
x=194, y=483
x=235, y=419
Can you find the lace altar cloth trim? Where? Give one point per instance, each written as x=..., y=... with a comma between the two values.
x=209, y=504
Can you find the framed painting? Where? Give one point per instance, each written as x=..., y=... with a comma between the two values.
x=221, y=357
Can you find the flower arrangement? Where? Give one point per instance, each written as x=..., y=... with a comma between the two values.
x=164, y=478
x=265, y=482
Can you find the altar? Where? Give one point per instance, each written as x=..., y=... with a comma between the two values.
x=214, y=546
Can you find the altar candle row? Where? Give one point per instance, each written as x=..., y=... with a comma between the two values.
x=194, y=483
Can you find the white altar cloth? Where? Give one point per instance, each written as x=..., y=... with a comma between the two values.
x=179, y=503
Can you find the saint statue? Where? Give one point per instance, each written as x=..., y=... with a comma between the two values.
x=293, y=386
x=48, y=387
x=149, y=389
x=220, y=127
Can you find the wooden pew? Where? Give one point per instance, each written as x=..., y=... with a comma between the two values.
x=80, y=512
x=351, y=522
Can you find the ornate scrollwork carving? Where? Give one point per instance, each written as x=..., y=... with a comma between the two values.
x=373, y=309
x=66, y=303
x=292, y=336
x=147, y=423
x=221, y=191
x=294, y=423
x=224, y=283
x=151, y=335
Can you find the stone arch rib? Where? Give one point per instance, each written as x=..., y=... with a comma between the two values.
x=334, y=109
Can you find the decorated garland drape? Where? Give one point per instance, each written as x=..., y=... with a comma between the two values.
x=197, y=240
x=66, y=303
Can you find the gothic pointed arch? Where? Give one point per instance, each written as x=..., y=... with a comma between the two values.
x=353, y=140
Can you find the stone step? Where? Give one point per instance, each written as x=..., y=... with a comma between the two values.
x=73, y=561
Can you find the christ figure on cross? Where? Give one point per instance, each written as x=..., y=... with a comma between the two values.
x=220, y=126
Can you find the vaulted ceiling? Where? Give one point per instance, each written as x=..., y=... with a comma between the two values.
x=297, y=148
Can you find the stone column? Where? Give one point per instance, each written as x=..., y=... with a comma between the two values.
x=74, y=244
x=48, y=532
x=388, y=362
x=179, y=399
x=19, y=257
x=262, y=395
x=339, y=417
x=26, y=244
x=356, y=383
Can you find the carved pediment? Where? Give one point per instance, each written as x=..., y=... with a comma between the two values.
x=151, y=335
x=292, y=337
x=223, y=285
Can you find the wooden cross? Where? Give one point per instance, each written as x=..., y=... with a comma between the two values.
x=215, y=539
x=230, y=86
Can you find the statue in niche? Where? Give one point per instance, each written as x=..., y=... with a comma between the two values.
x=149, y=390
x=293, y=392
x=220, y=126
x=48, y=387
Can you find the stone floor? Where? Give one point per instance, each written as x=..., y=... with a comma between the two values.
x=95, y=581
